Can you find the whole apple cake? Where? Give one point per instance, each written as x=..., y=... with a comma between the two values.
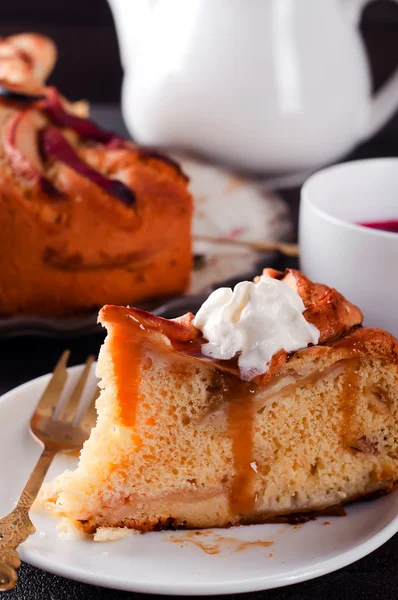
x=87, y=217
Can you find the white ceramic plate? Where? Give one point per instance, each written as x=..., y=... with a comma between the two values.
x=171, y=562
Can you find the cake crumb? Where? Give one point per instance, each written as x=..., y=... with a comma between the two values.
x=270, y=555
x=111, y=534
x=68, y=530
x=326, y=523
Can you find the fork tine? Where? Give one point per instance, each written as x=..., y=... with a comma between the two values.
x=52, y=393
x=68, y=412
x=89, y=417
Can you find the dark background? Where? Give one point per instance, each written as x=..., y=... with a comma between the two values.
x=89, y=67
x=88, y=64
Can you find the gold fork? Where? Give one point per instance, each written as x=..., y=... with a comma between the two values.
x=59, y=426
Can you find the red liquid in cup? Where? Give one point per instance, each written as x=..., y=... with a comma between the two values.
x=391, y=226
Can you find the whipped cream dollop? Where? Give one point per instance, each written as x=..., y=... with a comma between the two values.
x=254, y=321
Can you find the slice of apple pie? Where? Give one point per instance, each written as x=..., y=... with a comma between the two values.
x=272, y=401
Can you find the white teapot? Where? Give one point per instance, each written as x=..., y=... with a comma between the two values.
x=266, y=85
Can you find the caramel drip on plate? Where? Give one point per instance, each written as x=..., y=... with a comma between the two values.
x=240, y=430
x=213, y=543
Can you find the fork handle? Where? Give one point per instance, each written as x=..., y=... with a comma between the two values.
x=16, y=527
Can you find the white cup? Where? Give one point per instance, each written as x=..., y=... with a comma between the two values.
x=360, y=262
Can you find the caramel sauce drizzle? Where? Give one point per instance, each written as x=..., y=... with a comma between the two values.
x=240, y=430
x=126, y=352
x=126, y=340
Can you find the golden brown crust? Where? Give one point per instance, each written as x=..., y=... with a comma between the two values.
x=26, y=60
x=371, y=341
x=69, y=245
x=276, y=364
x=65, y=256
x=360, y=342
x=179, y=329
x=146, y=524
x=143, y=525
x=363, y=343
x=326, y=308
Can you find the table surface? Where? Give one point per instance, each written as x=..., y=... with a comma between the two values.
x=22, y=359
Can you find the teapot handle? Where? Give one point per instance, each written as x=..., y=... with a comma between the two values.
x=385, y=101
